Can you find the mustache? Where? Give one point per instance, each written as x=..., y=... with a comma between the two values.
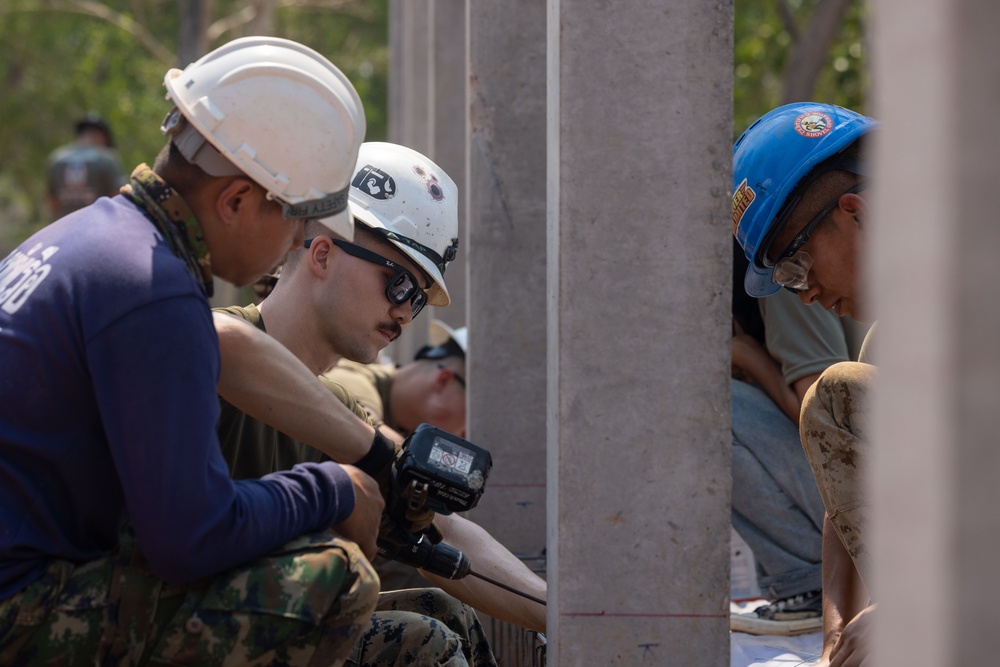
x=392, y=328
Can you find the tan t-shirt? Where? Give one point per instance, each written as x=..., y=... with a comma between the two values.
x=807, y=339
x=252, y=448
x=370, y=385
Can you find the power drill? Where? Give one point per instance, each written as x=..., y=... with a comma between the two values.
x=434, y=470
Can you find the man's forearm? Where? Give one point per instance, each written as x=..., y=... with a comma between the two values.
x=263, y=379
x=754, y=360
x=493, y=560
x=844, y=595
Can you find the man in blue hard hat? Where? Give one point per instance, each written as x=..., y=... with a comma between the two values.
x=799, y=213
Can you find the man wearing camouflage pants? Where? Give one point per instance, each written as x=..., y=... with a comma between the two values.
x=123, y=539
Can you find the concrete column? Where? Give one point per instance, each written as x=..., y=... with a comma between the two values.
x=935, y=528
x=449, y=110
x=639, y=182
x=506, y=251
x=411, y=35
x=396, y=114
x=410, y=56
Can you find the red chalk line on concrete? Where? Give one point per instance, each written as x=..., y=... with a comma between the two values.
x=627, y=615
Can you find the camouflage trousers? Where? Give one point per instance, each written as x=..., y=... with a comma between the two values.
x=422, y=627
x=834, y=427
x=395, y=576
x=305, y=604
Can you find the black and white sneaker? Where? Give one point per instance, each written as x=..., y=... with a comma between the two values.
x=794, y=615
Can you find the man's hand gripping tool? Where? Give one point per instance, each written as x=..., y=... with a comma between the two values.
x=438, y=472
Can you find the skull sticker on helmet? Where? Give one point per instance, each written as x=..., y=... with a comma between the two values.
x=374, y=183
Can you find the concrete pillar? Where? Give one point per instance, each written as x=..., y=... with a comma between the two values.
x=396, y=113
x=506, y=251
x=934, y=269
x=639, y=182
x=449, y=111
x=410, y=56
x=409, y=81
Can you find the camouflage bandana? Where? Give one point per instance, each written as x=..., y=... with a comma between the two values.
x=172, y=216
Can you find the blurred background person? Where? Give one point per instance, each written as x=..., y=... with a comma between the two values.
x=430, y=389
x=82, y=171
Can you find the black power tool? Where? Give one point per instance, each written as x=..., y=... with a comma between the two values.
x=434, y=470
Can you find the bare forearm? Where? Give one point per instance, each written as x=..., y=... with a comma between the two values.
x=801, y=386
x=262, y=378
x=782, y=395
x=492, y=560
x=754, y=361
x=844, y=595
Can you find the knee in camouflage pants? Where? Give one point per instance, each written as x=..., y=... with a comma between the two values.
x=834, y=430
x=422, y=627
x=305, y=604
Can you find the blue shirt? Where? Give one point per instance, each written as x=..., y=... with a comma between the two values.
x=108, y=410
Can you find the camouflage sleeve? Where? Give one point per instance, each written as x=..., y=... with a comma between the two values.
x=347, y=399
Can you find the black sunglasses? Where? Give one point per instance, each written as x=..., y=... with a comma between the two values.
x=400, y=288
x=458, y=378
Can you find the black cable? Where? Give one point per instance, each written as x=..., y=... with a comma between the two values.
x=506, y=587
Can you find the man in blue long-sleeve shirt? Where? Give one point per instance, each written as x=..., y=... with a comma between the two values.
x=122, y=536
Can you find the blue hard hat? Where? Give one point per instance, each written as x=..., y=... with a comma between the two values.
x=770, y=161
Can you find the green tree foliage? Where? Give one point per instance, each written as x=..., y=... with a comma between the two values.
x=64, y=58
x=765, y=32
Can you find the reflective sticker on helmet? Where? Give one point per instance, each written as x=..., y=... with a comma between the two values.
x=813, y=124
x=433, y=186
x=374, y=183
x=742, y=199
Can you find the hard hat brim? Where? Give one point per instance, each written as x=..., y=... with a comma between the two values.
x=440, y=333
x=759, y=282
x=341, y=224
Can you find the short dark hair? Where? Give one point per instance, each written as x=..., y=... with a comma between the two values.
x=828, y=180
x=450, y=348
x=175, y=169
x=93, y=121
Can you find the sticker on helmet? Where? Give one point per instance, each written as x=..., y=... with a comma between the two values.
x=813, y=124
x=434, y=188
x=742, y=199
x=374, y=182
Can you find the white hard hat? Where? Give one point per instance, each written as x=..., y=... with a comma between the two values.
x=278, y=112
x=440, y=333
x=412, y=203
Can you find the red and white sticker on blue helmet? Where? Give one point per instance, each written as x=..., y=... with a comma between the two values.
x=742, y=199
x=813, y=124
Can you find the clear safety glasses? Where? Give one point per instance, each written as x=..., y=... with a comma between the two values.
x=399, y=288
x=791, y=271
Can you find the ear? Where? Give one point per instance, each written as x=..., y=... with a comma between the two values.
x=441, y=379
x=855, y=206
x=320, y=254
x=235, y=199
